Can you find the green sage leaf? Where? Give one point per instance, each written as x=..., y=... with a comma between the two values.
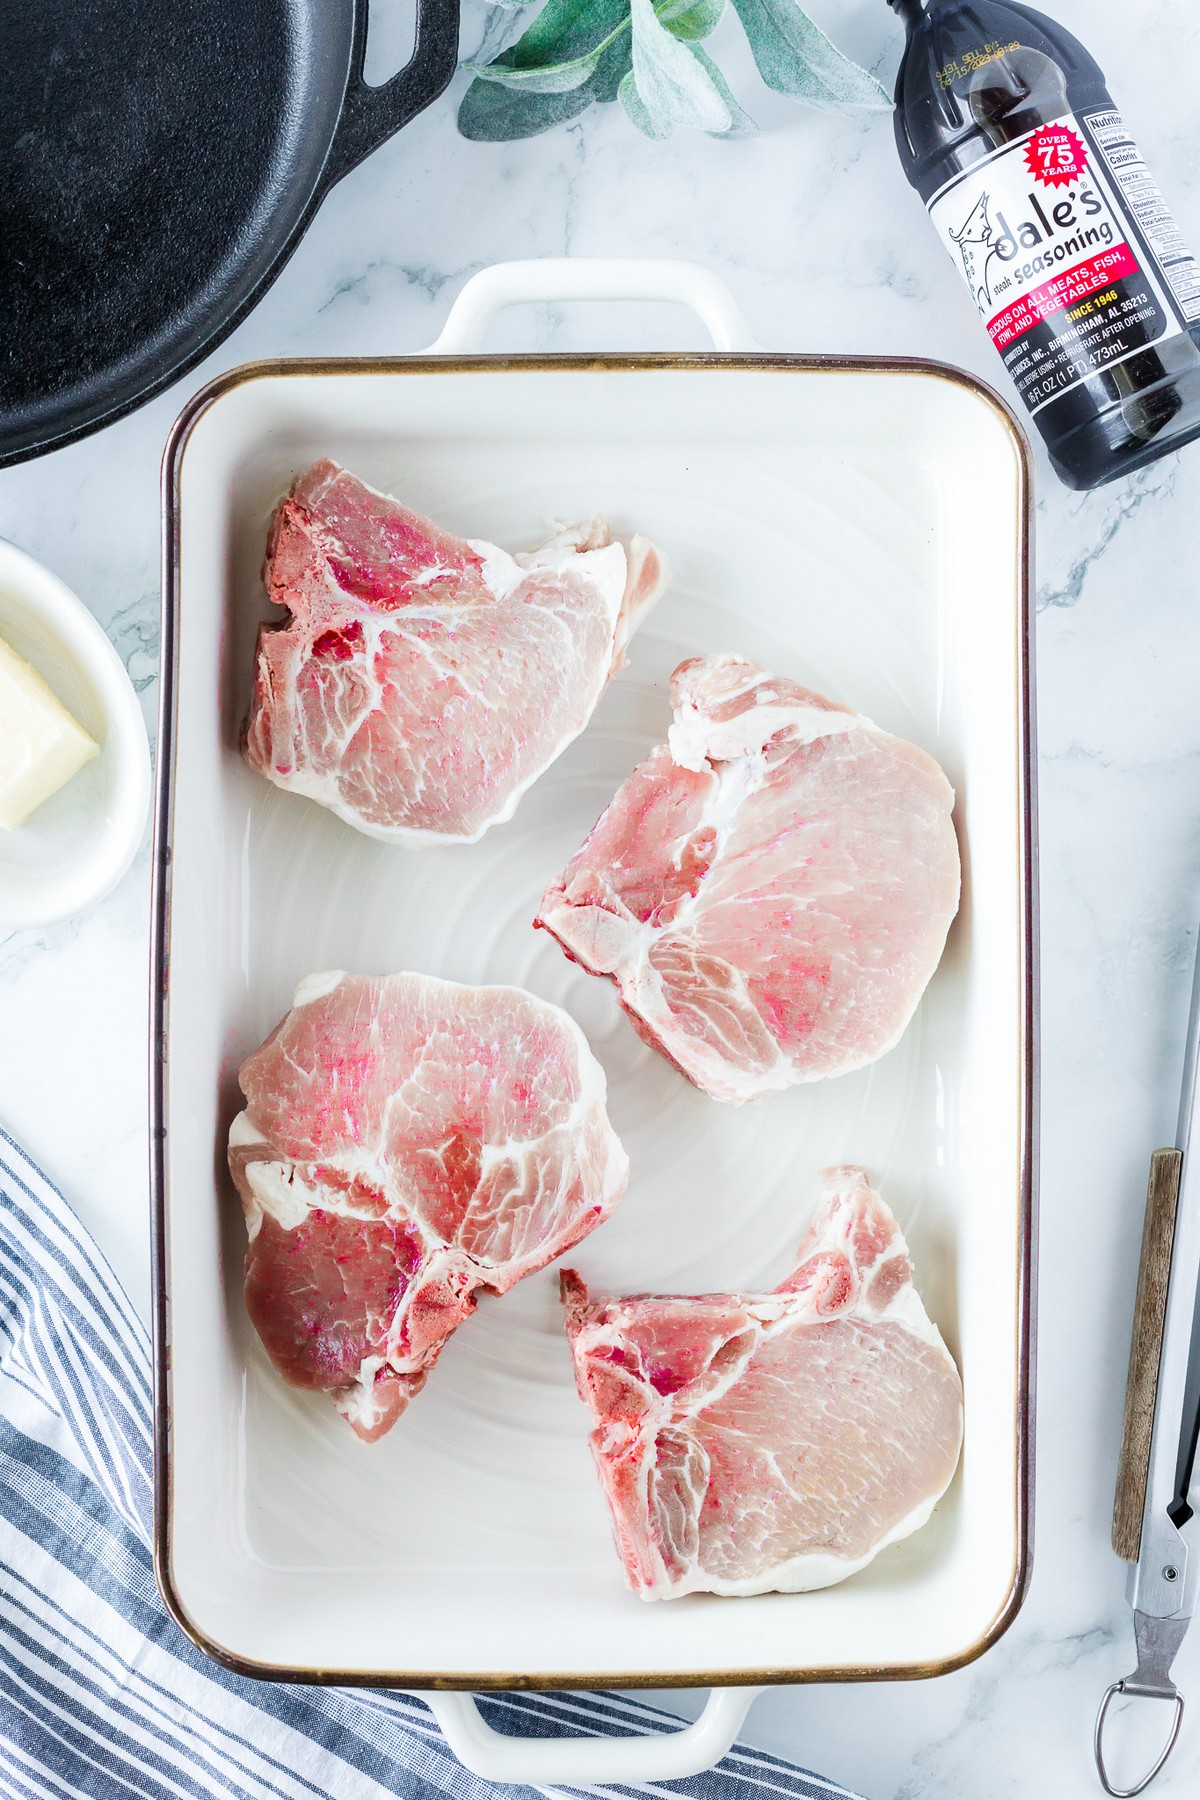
x=566, y=29
x=673, y=85
x=690, y=18
x=740, y=122
x=552, y=78
x=795, y=57
x=492, y=113
x=639, y=113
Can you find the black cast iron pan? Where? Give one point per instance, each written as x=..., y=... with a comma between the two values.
x=159, y=161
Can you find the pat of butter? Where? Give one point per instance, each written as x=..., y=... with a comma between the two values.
x=41, y=746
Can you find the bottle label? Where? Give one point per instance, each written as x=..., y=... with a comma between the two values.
x=1072, y=258
x=1139, y=190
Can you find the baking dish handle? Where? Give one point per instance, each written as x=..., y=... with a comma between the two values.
x=558, y=278
x=587, y=1761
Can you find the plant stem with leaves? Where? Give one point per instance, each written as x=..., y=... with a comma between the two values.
x=648, y=55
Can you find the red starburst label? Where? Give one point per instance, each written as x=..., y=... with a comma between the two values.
x=1056, y=156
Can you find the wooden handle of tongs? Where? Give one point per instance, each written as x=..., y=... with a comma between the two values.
x=1145, y=1352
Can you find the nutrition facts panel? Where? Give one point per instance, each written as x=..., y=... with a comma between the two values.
x=1140, y=192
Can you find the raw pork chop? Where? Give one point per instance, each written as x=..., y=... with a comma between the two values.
x=757, y=1444
x=422, y=682
x=771, y=890
x=405, y=1142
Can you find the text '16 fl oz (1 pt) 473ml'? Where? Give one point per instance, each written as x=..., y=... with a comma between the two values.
x=1092, y=298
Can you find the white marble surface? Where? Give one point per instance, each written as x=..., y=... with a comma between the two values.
x=815, y=231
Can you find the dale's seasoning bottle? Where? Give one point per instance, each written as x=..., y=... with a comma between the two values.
x=1008, y=133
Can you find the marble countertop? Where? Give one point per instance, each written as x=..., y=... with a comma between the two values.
x=814, y=230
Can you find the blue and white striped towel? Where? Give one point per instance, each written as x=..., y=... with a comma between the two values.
x=100, y=1693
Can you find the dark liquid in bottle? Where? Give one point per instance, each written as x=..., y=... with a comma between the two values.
x=1007, y=131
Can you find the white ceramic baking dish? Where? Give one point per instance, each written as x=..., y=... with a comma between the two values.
x=861, y=525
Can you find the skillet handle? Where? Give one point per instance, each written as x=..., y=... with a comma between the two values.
x=588, y=1761
x=371, y=115
x=557, y=278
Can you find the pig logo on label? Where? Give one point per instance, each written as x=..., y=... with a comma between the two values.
x=976, y=247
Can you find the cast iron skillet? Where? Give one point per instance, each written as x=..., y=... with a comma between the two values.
x=159, y=161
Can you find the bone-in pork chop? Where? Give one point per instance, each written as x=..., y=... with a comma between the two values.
x=770, y=890
x=421, y=681
x=750, y=1444
x=405, y=1143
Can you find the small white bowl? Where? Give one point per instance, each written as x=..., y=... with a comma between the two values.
x=75, y=848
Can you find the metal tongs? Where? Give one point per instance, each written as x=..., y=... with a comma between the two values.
x=1153, y=1519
